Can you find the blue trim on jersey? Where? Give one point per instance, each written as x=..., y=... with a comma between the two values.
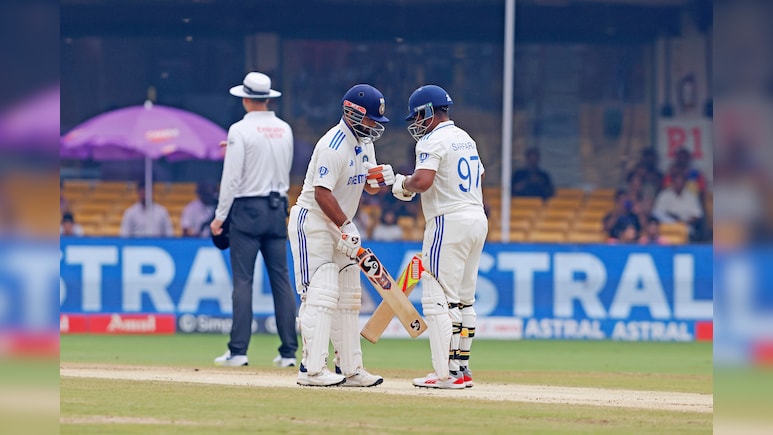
x=438, y=128
x=337, y=139
x=434, y=250
x=303, y=253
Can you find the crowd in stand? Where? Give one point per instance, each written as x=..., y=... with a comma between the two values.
x=646, y=199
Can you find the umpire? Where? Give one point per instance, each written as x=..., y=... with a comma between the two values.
x=253, y=194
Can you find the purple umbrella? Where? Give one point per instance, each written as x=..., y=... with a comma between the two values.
x=148, y=132
x=145, y=131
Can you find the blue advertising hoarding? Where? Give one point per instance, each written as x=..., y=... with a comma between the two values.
x=524, y=291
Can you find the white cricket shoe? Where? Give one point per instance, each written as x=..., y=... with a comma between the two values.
x=433, y=381
x=228, y=360
x=361, y=379
x=322, y=379
x=281, y=361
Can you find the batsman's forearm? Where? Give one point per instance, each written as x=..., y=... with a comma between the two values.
x=329, y=205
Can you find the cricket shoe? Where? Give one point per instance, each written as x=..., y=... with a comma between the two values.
x=322, y=379
x=361, y=379
x=281, y=361
x=433, y=381
x=467, y=376
x=228, y=360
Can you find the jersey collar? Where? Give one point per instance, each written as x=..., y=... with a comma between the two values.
x=258, y=114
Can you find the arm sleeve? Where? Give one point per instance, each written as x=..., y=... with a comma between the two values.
x=429, y=153
x=232, y=171
x=328, y=169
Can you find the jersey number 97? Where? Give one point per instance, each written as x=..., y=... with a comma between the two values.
x=465, y=169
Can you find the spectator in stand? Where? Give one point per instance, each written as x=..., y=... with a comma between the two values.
x=621, y=214
x=531, y=180
x=69, y=227
x=197, y=215
x=695, y=180
x=678, y=204
x=647, y=167
x=387, y=228
x=137, y=217
x=626, y=232
x=651, y=234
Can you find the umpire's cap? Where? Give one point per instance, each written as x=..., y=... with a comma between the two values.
x=223, y=241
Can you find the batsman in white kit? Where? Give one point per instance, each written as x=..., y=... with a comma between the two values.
x=324, y=241
x=449, y=175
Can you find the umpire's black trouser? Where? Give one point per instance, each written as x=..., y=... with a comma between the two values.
x=256, y=226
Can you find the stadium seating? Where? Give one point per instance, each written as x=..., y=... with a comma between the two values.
x=572, y=216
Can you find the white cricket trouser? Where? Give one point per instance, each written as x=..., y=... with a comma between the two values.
x=451, y=251
x=313, y=240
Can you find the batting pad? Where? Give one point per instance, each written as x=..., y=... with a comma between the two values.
x=345, y=331
x=321, y=300
x=435, y=307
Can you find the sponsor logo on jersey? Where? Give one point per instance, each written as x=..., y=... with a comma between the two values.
x=365, y=159
x=356, y=179
x=351, y=162
x=323, y=171
x=423, y=157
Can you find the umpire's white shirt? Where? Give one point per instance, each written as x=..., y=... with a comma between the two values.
x=257, y=159
x=452, y=153
x=337, y=164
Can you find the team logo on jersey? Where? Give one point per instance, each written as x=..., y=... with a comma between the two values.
x=423, y=157
x=381, y=106
x=323, y=171
x=357, y=150
x=365, y=159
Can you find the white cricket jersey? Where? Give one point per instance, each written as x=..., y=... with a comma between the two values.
x=452, y=153
x=337, y=164
x=257, y=159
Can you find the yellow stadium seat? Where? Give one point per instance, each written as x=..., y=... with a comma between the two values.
x=517, y=236
x=406, y=222
x=676, y=229
x=605, y=204
x=520, y=225
x=564, y=203
x=603, y=194
x=674, y=239
x=551, y=225
x=546, y=236
x=593, y=213
x=523, y=213
x=585, y=237
x=591, y=225
x=557, y=214
x=567, y=192
x=526, y=203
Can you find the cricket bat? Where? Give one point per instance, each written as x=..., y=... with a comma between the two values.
x=391, y=292
x=384, y=313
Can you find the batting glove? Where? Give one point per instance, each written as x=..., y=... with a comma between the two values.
x=350, y=242
x=398, y=189
x=379, y=176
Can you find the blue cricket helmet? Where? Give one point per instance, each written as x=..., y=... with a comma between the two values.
x=427, y=96
x=366, y=97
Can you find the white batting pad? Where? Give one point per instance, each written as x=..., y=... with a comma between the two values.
x=316, y=318
x=345, y=331
x=435, y=307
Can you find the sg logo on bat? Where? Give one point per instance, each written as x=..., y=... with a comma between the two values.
x=375, y=271
x=415, y=325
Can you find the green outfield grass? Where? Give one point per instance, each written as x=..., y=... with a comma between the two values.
x=101, y=406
